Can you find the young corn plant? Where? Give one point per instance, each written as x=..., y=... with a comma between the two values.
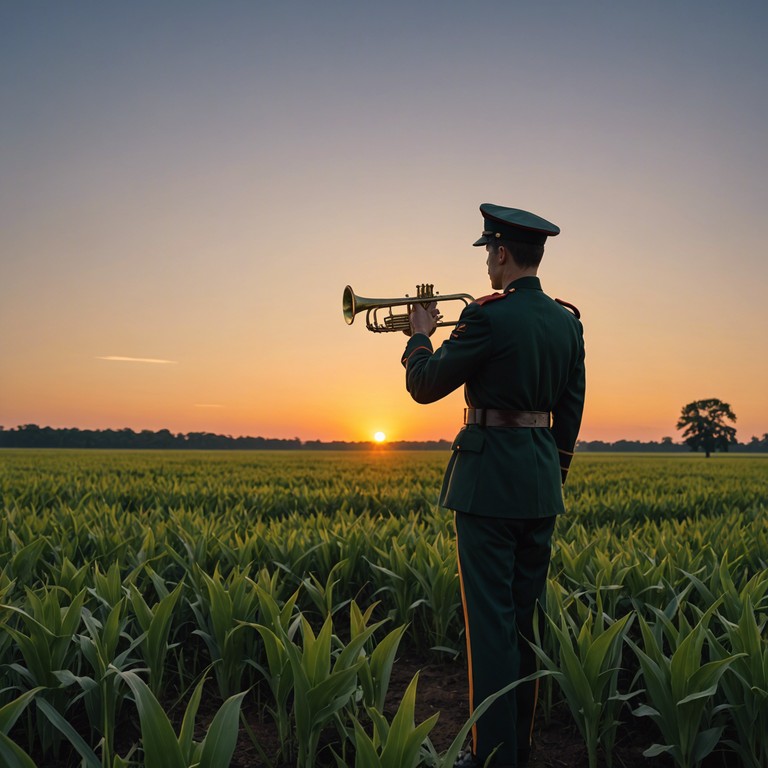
x=46, y=645
x=556, y=594
x=63, y=726
x=290, y=550
x=395, y=582
x=375, y=674
x=24, y=558
x=155, y=624
x=574, y=559
x=223, y=609
x=433, y=567
x=745, y=685
x=67, y=576
x=650, y=583
x=681, y=690
x=194, y=552
x=102, y=693
x=273, y=584
x=321, y=594
x=11, y=754
x=277, y=629
x=323, y=685
x=721, y=584
x=586, y=669
x=108, y=588
x=163, y=748
x=395, y=745
x=6, y=640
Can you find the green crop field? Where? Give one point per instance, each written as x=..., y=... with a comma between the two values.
x=147, y=598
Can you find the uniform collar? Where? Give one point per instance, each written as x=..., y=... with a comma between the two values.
x=530, y=282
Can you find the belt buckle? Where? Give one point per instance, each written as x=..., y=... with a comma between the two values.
x=475, y=416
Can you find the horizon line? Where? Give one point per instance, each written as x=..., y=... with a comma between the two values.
x=20, y=427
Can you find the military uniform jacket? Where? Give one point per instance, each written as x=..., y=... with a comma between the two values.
x=517, y=350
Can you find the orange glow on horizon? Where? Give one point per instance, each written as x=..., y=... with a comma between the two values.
x=167, y=397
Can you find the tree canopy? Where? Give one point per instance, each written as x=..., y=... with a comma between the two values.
x=703, y=425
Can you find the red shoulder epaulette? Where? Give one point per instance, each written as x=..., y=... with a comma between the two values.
x=570, y=306
x=491, y=297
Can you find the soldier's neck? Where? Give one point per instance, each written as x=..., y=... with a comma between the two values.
x=512, y=272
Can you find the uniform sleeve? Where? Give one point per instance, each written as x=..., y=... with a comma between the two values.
x=566, y=413
x=430, y=375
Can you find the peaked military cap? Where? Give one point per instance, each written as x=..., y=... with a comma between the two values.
x=514, y=224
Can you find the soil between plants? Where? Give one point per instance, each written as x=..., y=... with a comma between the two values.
x=442, y=688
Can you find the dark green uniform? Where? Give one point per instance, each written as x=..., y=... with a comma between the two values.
x=515, y=351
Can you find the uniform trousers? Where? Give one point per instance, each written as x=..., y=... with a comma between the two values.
x=503, y=566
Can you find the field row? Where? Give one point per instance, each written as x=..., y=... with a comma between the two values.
x=117, y=611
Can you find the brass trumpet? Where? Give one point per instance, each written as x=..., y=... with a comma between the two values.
x=352, y=304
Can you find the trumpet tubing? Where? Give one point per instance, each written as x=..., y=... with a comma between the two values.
x=389, y=321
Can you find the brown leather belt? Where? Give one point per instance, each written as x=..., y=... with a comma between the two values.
x=493, y=417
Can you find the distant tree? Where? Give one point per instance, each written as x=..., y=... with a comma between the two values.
x=703, y=425
x=757, y=443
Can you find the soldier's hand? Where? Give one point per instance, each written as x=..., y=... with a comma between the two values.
x=424, y=320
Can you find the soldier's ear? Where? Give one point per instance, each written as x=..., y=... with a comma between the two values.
x=502, y=254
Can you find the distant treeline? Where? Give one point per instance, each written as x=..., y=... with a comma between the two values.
x=755, y=445
x=33, y=436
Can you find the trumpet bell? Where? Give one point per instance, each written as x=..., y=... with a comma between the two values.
x=348, y=305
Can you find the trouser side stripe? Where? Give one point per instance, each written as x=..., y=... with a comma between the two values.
x=467, y=638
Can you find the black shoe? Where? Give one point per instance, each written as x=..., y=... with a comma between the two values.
x=468, y=760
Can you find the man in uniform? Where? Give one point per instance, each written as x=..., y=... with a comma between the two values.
x=520, y=356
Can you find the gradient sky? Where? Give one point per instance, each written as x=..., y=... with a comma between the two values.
x=190, y=185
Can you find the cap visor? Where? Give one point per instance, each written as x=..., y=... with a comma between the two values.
x=482, y=241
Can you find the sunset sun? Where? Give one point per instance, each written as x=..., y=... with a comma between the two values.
x=379, y=437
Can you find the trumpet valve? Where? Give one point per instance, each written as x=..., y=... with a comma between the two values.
x=425, y=291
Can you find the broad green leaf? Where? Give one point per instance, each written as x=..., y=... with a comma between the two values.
x=12, y=755
x=705, y=742
x=405, y=738
x=657, y=749
x=645, y=711
x=58, y=721
x=602, y=646
x=365, y=752
x=708, y=675
x=161, y=748
x=11, y=711
x=221, y=738
x=188, y=721
x=381, y=662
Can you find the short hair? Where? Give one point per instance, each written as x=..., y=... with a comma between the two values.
x=523, y=254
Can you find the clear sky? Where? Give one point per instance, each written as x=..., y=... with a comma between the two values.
x=196, y=182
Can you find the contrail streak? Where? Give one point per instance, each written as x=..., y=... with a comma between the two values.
x=137, y=360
